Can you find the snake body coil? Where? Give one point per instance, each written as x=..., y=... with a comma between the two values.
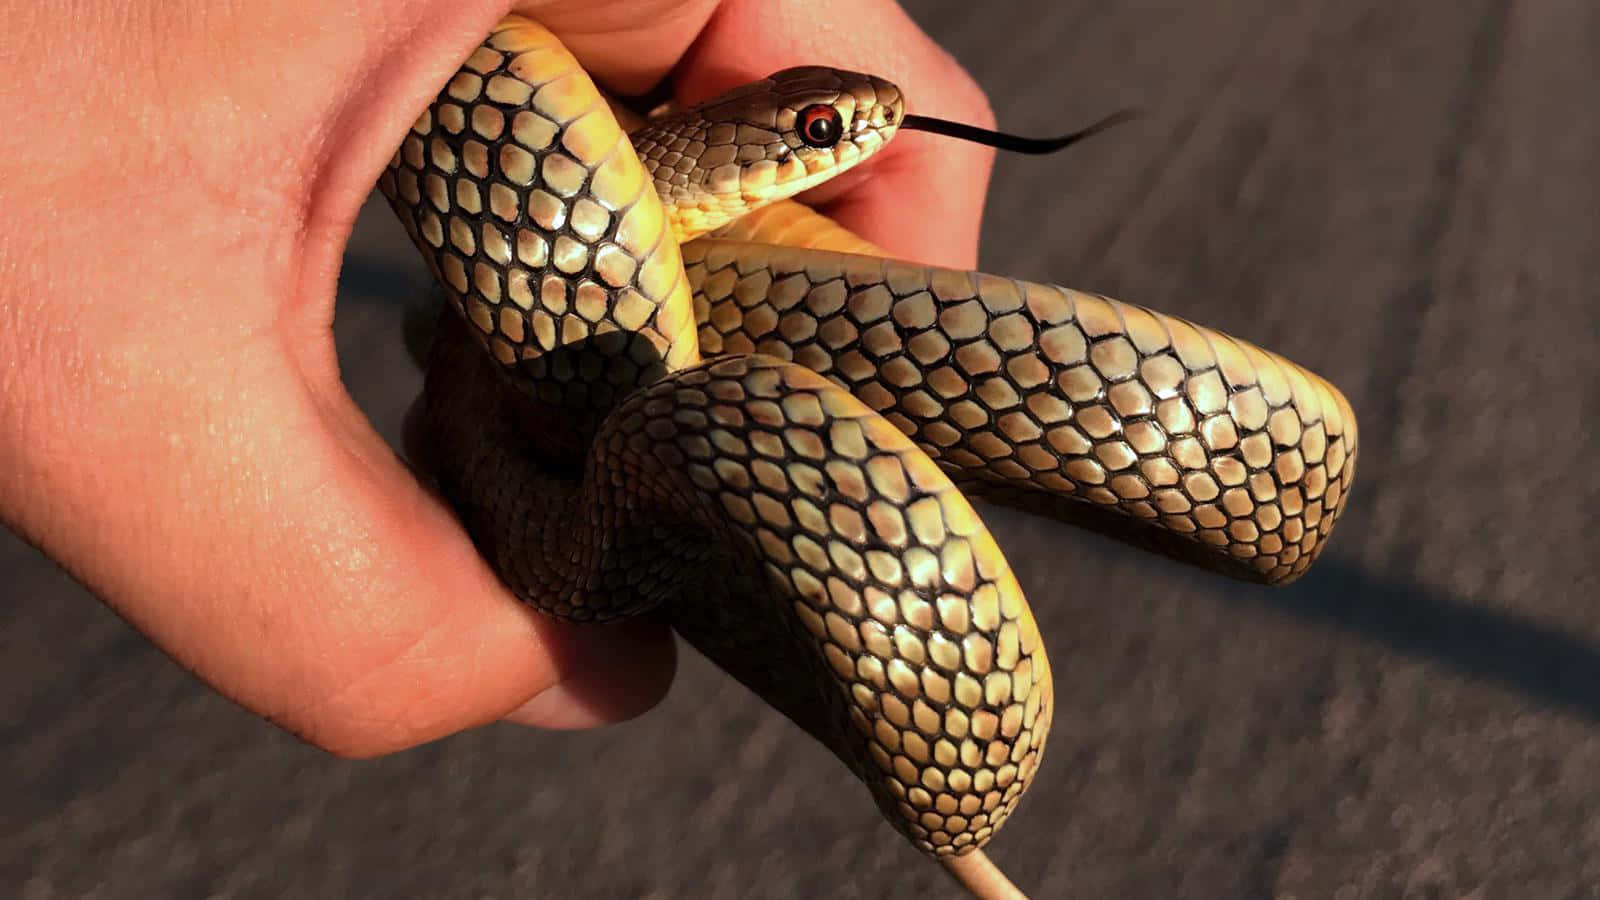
x=791, y=502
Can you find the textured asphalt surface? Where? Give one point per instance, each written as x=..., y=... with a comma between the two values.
x=1400, y=196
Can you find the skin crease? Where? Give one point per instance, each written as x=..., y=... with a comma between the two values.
x=173, y=430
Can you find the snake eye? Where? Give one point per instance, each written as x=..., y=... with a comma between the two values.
x=820, y=126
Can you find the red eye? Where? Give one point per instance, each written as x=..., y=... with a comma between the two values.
x=820, y=125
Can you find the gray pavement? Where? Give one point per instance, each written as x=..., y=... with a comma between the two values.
x=1399, y=195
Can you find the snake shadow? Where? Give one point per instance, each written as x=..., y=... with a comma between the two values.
x=1552, y=666
x=1549, y=665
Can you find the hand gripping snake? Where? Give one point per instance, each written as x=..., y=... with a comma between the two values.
x=769, y=433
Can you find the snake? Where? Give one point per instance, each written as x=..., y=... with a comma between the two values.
x=661, y=386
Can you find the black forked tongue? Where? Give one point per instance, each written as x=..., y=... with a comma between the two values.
x=1014, y=143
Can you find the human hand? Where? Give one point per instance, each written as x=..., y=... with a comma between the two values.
x=173, y=429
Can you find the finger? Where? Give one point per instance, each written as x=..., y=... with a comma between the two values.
x=922, y=197
x=626, y=45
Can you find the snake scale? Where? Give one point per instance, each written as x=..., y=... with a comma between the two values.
x=669, y=388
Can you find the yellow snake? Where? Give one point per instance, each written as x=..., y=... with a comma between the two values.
x=767, y=436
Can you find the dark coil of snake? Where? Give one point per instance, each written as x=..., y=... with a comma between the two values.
x=766, y=432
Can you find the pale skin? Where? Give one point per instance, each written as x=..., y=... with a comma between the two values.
x=173, y=430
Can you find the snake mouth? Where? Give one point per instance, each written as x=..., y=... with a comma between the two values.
x=1012, y=142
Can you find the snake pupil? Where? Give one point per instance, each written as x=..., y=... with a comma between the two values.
x=820, y=126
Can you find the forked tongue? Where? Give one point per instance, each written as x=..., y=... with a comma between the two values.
x=1014, y=143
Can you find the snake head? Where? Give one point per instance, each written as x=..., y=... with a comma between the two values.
x=766, y=141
